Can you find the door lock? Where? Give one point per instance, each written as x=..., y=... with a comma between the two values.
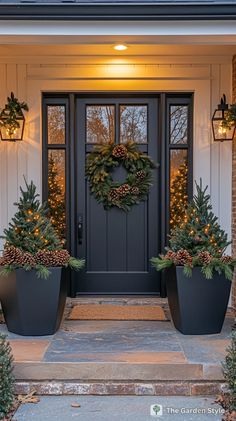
x=80, y=229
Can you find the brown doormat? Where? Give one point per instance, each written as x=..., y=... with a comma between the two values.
x=116, y=312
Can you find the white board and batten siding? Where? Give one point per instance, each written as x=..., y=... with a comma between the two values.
x=29, y=78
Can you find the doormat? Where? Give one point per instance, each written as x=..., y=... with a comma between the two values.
x=116, y=312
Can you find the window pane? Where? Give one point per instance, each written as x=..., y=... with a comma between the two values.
x=133, y=123
x=100, y=122
x=56, y=190
x=178, y=124
x=178, y=186
x=56, y=124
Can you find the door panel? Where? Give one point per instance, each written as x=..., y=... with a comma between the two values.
x=117, y=245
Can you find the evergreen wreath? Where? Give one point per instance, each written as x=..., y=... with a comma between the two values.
x=100, y=163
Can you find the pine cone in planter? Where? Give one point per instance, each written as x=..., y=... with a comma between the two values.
x=61, y=257
x=171, y=255
x=183, y=258
x=9, y=255
x=204, y=257
x=27, y=259
x=226, y=259
x=45, y=258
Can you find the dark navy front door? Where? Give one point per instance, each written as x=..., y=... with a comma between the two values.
x=117, y=245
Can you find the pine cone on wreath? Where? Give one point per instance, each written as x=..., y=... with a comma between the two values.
x=204, y=257
x=135, y=191
x=123, y=190
x=141, y=174
x=183, y=258
x=113, y=195
x=226, y=259
x=61, y=257
x=45, y=258
x=119, y=151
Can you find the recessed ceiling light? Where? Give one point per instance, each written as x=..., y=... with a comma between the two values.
x=120, y=47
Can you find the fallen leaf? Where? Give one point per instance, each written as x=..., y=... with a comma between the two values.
x=75, y=405
x=30, y=398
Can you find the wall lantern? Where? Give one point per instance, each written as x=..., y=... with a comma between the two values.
x=224, y=121
x=12, y=120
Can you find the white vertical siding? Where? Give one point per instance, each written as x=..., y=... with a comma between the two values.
x=212, y=161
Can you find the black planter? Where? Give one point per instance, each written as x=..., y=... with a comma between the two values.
x=197, y=305
x=33, y=306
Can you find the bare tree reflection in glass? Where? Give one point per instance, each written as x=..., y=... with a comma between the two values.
x=178, y=124
x=100, y=121
x=133, y=123
x=56, y=124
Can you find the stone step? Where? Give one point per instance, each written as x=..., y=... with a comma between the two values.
x=119, y=388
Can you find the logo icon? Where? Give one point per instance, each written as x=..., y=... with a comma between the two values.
x=156, y=410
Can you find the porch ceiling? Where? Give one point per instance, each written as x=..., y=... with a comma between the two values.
x=140, y=52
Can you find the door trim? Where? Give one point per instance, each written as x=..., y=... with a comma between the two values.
x=70, y=100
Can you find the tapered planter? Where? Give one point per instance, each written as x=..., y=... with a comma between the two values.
x=33, y=306
x=197, y=305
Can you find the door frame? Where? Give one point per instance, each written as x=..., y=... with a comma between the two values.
x=69, y=101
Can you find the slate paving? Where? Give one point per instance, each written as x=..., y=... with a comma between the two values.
x=95, y=340
x=80, y=340
x=132, y=408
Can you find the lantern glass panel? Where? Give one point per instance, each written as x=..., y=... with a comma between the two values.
x=221, y=132
x=12, y=135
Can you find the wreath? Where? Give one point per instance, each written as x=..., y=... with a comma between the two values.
x=100, y=163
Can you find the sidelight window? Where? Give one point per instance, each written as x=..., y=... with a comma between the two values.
x=56, y=133
x=179, y=147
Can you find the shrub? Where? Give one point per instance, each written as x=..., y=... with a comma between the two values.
x=6, y=377
x=229, y=368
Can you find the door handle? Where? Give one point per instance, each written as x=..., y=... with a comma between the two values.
x=80, y=229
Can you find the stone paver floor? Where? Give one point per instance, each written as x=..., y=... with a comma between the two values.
x=121, y=341
x=130, y=408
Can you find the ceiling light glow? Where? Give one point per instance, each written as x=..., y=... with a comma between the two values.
x=120, y=47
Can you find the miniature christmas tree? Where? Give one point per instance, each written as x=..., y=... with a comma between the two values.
x=198, y=241
x=199, y=230
x=6, y=378
x=31, y=240
x=56, y=199
x=30, y=229
x=178, y=196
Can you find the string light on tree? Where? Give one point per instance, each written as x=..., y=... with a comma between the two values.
x=178, y=196
x=56, y=199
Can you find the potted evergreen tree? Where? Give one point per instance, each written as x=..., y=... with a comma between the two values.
x=32, y=283
x=199, y=273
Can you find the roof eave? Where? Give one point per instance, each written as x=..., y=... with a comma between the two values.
x=131, y=12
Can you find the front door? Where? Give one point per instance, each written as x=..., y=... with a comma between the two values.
x=117, y=245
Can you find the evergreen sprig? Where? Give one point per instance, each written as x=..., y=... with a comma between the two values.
x=6, y=377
